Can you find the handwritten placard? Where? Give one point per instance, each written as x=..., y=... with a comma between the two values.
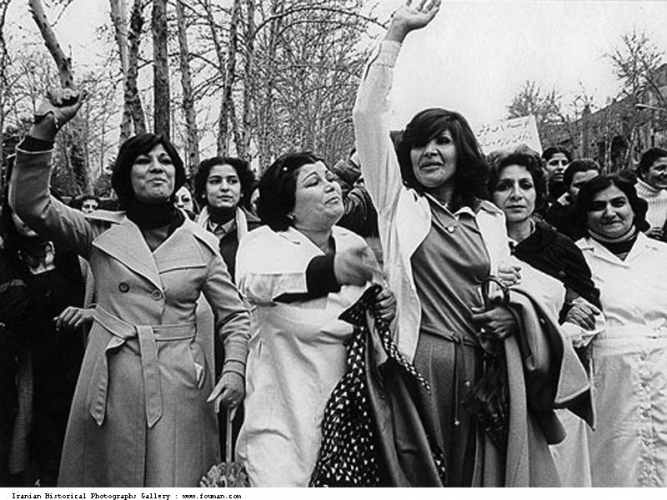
x=508, y=134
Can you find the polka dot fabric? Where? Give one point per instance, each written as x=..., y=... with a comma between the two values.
x=349, y=455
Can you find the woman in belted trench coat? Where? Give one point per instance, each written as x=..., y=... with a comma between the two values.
x=140, y=415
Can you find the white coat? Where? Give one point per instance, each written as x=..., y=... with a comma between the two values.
x=297, y=355
x=629, y=361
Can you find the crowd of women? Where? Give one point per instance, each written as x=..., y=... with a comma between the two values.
x=506, y=326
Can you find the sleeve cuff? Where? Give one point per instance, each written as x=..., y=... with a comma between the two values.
x=234, y=366
x=320, y=276
x=32, y=145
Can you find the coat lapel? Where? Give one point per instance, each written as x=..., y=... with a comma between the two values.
x=179, y=250
x=125, y=243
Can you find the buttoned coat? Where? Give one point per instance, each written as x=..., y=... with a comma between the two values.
x=139, y=415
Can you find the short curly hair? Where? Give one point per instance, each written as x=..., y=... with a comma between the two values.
x=132, y=148
x=242, y=168
x=648, y=159
x=601, y=182
x=551, y=151
x=525, y=157
x=277, y=189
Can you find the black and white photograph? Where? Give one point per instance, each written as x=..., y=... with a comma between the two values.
x=302, y=246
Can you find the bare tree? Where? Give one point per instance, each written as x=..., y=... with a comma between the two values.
x=306, y=64
x=636, y=64
x=4, y=64
x=188, y=100
x=226, y=106
x=131, y=91
x=74, y=144
x=161, y=86
x=532, y=100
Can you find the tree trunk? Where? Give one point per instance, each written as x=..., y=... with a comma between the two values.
x=192, y=142
x=243, y=146
x=120, y=24
x=230, y=72
x=63, y=62
x=4, y=63
x=161, y=97
x=220, y=146
x=132, y=98
x=73, y=138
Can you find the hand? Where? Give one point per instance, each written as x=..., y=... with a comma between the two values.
x=73, y=317
x=229, y=391
x=509, y=274
x=57, y=108
x=385, y=305
x=582, y=313
x=407, y=19
x=655, y=233
x=354, y=266
x=494, y=324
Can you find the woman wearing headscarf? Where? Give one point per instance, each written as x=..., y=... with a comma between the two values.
x=300, y=271
x=443, y=246
x=140, y=415
x=629, y=359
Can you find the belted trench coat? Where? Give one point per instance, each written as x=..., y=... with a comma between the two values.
x=139, y=415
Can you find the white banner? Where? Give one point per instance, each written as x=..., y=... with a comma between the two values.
x=509, y=134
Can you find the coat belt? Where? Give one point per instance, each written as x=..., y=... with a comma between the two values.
x=148, y=336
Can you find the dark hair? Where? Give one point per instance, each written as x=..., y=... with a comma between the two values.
x=243, y=171
x=141, y=144
x=524, y=157
x=77, y=202
x=277, y=189
x=548, y=153
x=602, y=182
x=471, y=169
x=648, y=159
x=583, y=165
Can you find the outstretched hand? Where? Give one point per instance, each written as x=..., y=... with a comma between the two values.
x=57, y=108
x=409, y=18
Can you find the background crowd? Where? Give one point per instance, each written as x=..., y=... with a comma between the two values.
x=514, y=327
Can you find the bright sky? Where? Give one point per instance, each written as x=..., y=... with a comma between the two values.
x=476, y=54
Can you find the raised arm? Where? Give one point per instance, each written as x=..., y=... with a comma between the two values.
x=29, y=187
x=410, y=18
x=372, y=109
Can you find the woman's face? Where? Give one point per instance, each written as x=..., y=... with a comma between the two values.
x=89, y=206
x=223, y=187
x=515, y=193
x=556, y=166
x=153, y=176
x=184, y=199
x=656, y=175
x=434, y=164
x=610, y=214
x=318, y=201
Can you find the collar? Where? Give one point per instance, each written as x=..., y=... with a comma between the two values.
x=484, y=205
x=643, y=242
x=647, y=189
x=223, y=229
